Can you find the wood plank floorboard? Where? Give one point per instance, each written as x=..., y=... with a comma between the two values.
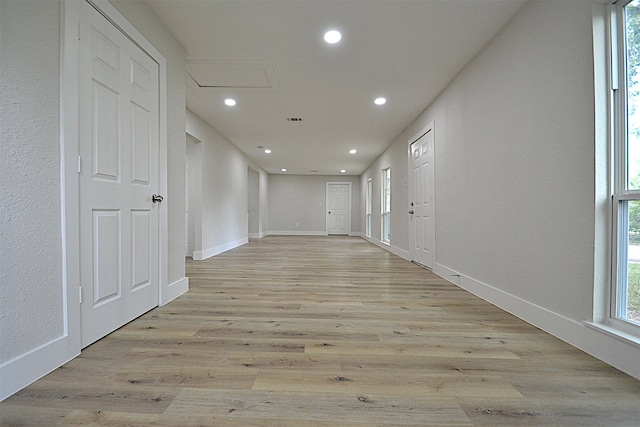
x=326, y=331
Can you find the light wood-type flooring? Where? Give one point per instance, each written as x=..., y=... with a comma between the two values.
x=326, y=331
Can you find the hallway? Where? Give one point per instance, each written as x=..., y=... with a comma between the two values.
x=326, y=331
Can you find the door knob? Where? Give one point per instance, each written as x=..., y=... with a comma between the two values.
x=156, y=198
x=411, y=211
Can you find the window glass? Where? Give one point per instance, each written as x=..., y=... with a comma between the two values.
x=625, y=291
x=632, y=33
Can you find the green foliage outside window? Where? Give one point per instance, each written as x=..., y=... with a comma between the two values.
x=632, y=18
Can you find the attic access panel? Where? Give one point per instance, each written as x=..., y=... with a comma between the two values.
x=234, y=75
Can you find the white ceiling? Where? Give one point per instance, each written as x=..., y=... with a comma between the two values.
x=271, y=58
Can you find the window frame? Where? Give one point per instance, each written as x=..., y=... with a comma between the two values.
x=385, y=230
x=619, y=176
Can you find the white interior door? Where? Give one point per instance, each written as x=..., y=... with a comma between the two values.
x=421, y=209
x=119, y=138
x=339, y=208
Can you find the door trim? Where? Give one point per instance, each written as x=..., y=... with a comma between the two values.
x=430, y=127
x=70, y=151
x=327, y=219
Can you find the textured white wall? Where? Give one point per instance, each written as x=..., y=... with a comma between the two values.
x=515, y=161
x=31, y=286
x=297, y=203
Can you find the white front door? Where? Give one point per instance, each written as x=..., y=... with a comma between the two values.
x=339, y=208
x=421, y=209
x=119, y=138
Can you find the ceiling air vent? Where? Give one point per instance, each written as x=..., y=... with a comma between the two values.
x=294, y=119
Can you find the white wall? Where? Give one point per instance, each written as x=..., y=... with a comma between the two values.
x=514, y=176
x=515, y=166
x=395, y=157
x=224, y=199
x=297, y=203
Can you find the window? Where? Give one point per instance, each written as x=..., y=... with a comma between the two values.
x=386, y=205
x=625, y=84
x=367, y=230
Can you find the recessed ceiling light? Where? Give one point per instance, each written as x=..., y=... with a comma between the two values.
x=353, y=151
x=380, y=101
x=230, y=102
x=343, y=170
x=332, y=36
x=283, y=169
x=267, y=151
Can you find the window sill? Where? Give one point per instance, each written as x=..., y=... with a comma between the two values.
x=614, y=333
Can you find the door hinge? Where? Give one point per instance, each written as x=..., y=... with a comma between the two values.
x=79, y=31
x=79, y=163
x=80, y=294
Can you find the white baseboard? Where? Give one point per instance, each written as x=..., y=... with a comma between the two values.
x=23, y=370
x=18, y=373
x=302, y=233
x=174, y=290
x=404, y=254
x=258, y=235
x=297, y=233
x=592, y=339
x=208, y=253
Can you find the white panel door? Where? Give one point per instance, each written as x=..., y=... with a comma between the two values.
x=119, y=135
x=338, y=208
x=421, y=211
